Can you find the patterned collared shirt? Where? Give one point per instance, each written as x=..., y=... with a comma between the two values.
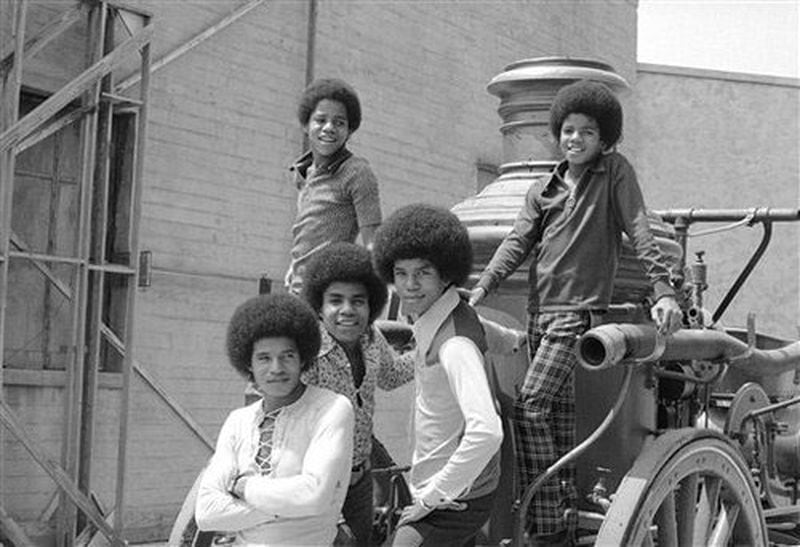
x=382, y=368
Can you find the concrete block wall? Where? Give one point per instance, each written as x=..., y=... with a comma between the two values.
x=710, y=139
x=428, y=121
x=422, y=73
x=217, y=205
x=216, y=214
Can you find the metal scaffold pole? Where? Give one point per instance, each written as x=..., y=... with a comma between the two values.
x=91, y=101
x=11, y=82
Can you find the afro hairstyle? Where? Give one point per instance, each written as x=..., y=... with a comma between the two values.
x=428, y=232
x=271, y=316
x=592, y=99
x=348, y=263
x=334, y=90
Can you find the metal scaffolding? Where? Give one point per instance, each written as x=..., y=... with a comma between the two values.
x=115, y=34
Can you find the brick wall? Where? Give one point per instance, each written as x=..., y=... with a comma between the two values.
x=216, y=211
x=217, y=207
x=428, y=120
x=216, y=204
x=222, y=130
x=422, y=74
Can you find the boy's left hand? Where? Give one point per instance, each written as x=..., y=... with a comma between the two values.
x=417, y=511
x=413, y=512
x=237, y=488
x=667, y=315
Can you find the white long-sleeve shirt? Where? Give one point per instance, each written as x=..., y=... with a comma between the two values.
x=457, y=429
x=299, y=501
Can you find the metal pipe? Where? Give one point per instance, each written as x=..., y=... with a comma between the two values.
x=670, y=375
x=745, y=273
x=771, y=408
x=522, y=513
x=612, y=344
x=758, y=214
x=130, y=311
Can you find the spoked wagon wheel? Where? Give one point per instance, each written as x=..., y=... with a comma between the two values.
x=689, y=487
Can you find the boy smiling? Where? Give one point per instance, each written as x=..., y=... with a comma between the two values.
x=572, y=224
x=281, y=465
x=426, y=253
x=337, y=191
x=354, y=358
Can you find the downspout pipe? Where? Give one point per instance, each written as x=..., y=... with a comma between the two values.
x=311, y=40
x=613, y=344
x=311, y=53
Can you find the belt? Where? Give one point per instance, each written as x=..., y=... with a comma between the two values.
x=358, y=470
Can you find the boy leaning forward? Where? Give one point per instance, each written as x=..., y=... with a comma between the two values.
x=426, y=253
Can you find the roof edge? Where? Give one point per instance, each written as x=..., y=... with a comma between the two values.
x=709, y=74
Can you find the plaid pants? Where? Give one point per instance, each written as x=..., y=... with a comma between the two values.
x=544, y=418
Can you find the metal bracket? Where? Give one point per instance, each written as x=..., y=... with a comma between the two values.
x=145, y=269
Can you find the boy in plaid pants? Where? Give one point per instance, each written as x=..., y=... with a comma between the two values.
x=572, y=223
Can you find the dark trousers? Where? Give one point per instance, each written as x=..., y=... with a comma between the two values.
x=446, y=527
x=358, y=511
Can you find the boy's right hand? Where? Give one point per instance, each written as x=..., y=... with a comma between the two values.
x=476, y=295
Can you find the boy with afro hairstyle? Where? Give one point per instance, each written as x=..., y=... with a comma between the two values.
x=426, y=253
x=572, y=224
x=281, y=466
x=337, y=191
x=343, y=289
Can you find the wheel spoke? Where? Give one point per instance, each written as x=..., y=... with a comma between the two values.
x=665, y=520
x=697, y=492
x=686, y=504
x=706, y=507
x=723, y=527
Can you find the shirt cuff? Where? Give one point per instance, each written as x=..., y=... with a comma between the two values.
x=433, y=497
x=502, y=340
x=662, y=289
x=485, y=282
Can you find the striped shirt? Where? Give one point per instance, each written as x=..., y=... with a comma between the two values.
x=333, y=204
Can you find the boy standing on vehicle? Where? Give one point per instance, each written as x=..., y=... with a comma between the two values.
x=572, y=223
x=426, y=253
x=337, y=192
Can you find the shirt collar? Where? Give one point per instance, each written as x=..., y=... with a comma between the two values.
x=302, y=163
x=599, y=166
x=260, y=414
x=329, y=343
x=426, y=326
